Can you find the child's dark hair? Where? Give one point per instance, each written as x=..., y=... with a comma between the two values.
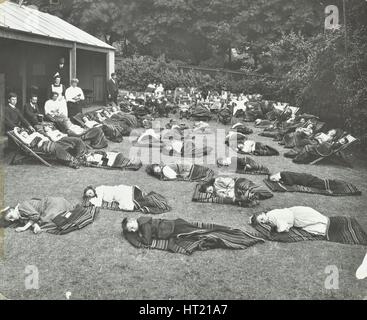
x=150, y=170
x=124, y=224
x=88, y=188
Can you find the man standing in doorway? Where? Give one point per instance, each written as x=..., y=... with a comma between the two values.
x=61, y=71
x=112, y=89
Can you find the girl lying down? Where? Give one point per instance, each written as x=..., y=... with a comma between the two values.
x=180, y=236
x=281, y=220
x=36, y=213
x=126, y=198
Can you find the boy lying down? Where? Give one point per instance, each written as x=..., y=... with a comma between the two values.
x=180, y=236
x=289, y=178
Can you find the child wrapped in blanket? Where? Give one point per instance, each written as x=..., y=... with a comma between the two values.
x=36, y=213
x=281, y=220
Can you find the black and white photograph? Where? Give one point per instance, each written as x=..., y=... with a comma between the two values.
x=183, y=150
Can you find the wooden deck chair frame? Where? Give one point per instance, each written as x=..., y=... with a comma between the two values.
x=339, y=153
x=28, y=151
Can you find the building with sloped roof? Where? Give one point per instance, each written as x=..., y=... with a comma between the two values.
x=31, y=45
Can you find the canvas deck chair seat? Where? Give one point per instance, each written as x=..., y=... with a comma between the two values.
x=339, y=152
x=40, y=156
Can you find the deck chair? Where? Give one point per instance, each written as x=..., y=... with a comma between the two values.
x=339, y=153
x=40, y=156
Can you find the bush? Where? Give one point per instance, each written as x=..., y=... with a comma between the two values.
x=322, y=79
x=137, y=72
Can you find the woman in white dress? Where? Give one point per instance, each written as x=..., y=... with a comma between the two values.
x=60, y=89
x=282, y=220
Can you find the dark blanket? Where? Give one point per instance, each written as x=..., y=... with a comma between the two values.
x=345, y=230
x=225, y=116
x=115, y=130
x=312, y=152
x=242, y=129
x=296, y=139
x=303, y=182
x=246, y=165
x=94, y=137
x=191, y=173
x=247, y=194
x=197, y=236
x=262, y=150
x=199, y=173
x=253, y=112
x=201, y=112
x=129, y=119
x=77, y=219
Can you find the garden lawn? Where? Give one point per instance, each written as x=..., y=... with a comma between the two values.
x=97, y=263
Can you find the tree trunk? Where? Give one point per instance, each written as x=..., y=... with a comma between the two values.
x=230, y=55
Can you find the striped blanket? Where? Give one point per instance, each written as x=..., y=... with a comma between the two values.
x=151, y=203
x=244, y=165
x=342, y=188
x=199, y=173
x=247, y=187
x=76, y=219
x=120, y=162
x=345, y=230
x=209, y=236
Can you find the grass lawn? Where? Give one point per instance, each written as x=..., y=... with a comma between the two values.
x=97, y=263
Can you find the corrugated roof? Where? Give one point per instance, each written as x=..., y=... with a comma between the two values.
x=25, y=19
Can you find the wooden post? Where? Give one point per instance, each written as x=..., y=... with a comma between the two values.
x=110, y=68
x=23, y=74
x=2, y=103
x=72, y=56
x=110, y=64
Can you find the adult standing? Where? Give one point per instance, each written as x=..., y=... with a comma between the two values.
x=59, y=88
x=112, y=89
x=61, y=71
x=74, y=98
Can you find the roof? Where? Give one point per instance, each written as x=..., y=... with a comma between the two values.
x=25, y=19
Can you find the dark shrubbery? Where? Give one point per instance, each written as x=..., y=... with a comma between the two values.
x=322, y=78
x=314, y=73
x=137, y=72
